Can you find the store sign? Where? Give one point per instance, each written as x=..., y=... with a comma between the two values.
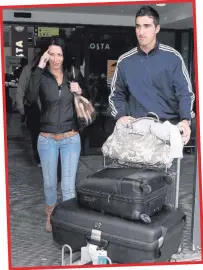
x=47, y=31
x=99, y=46
x=19, y=41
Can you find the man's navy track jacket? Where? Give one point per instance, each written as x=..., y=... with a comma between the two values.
x=156, y=82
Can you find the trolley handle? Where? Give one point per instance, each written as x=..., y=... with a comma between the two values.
x=71, y=254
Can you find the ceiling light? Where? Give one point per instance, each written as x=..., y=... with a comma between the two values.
x=161, y=5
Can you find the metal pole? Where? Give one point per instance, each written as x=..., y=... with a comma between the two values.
x=177, y=184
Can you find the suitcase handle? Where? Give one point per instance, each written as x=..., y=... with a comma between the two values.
x=101, y=244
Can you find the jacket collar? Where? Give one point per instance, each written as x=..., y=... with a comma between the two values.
x=153, y=51
x=66, y=75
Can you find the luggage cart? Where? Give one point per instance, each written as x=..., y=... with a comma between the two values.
x=75, y=258
x=176, y=198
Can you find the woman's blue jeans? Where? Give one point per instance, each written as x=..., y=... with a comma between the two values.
x=48, y=149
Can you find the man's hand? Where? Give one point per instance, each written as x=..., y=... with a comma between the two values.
x=126, y=120
x=185, y=128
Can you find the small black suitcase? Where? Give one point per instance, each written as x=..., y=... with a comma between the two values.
x=125, y=241
x=125, y=192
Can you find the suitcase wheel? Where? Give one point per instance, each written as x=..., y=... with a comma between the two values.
x=172, y=259
x=145, y=188
x=145, y=218
x=169, y=180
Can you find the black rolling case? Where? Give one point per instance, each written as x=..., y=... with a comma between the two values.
x=125, y=241
x=125, y=192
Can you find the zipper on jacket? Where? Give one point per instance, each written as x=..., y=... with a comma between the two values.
x=60, y=91
x=59, y=87
x=59, y=95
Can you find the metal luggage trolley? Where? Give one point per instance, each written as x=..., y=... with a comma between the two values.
x=176, y=198
x=75, y=258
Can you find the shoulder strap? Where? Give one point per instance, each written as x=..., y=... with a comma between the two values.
x=73, y=72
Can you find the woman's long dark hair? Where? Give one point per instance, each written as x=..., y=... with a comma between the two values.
x=58, y=41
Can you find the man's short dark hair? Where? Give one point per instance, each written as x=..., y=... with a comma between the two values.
x=150, y=12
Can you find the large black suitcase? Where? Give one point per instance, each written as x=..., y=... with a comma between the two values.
x=125, y=241
x=125, y=192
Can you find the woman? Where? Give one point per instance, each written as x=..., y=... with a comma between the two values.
x=52, y=82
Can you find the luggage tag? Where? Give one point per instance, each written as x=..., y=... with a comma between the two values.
x=85, y=256
x=101, y=256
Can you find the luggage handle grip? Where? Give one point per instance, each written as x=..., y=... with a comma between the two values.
x=102, y=241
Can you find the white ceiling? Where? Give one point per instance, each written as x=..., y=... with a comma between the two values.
x=115, y=9
x=176, y=16
x=130, y=10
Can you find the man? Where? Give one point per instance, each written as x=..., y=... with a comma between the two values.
x=18, y=70
x=152, y=78
x=32, y=113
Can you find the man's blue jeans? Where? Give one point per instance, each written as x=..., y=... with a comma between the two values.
x=48, y=149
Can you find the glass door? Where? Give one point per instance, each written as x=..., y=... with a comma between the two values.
x=103, y=45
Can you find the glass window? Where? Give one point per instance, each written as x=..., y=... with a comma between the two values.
x=185, y=47
x=106, y=44
x=103, y=45
x=167, y=37
x=6, y=35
